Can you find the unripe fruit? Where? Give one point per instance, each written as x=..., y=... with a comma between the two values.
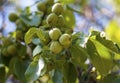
x=18, y=22
x=52, y=19
x=61, y=21
x=21, y=25
x=55, y=47
x=55, y=33
x=13, y=17
x=19, y=35
x=57, y=8
x=4, y=52
x=12, y=49
x=65, y=40
x=6, y=41
x=41, y=6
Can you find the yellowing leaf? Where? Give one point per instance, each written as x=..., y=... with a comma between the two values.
x=30, y=33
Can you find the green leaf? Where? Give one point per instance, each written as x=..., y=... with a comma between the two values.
x=34, y=69
x=107, y=43
x=37, y=50
x=2, y=74
x=76, y=35
x=36, y=41
x=22, y=51
x=70, y=73
x=69, y=18
x=78, y=38
x=94, y=33
x=20, y=68
x=32, y=20
x=12, y=65
x=117, y=80
x=79, y=55
x=111, y=78
x=59, y=63
x=117, y=57
x=30, y=33
x=108, y=79
x=58, y=77
x=99, y=56
x=41, y=34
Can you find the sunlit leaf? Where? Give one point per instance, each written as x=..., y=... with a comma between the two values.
x=107, y=43
x=117, y=57
x=113, y=31
x=99, y=56
x=101, y=38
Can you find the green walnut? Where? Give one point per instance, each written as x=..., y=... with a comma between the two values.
x=61, y=21
x=6, y=41
x=57, y=8
x=55, y=33
x=21, y=25
x=19, y=35
x=4, y=52
x=18, y=22
x=13, y=17
x=11, y=50
x=41, y=6
x=52, y=19
x=65, y=40
x=55, y=47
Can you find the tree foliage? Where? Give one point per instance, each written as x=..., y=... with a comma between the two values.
x=45, y=46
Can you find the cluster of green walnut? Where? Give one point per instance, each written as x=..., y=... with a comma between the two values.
x=21, y=28
x=59, y=39
x=53, y=17
x=8, y=47
x=13, y=17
